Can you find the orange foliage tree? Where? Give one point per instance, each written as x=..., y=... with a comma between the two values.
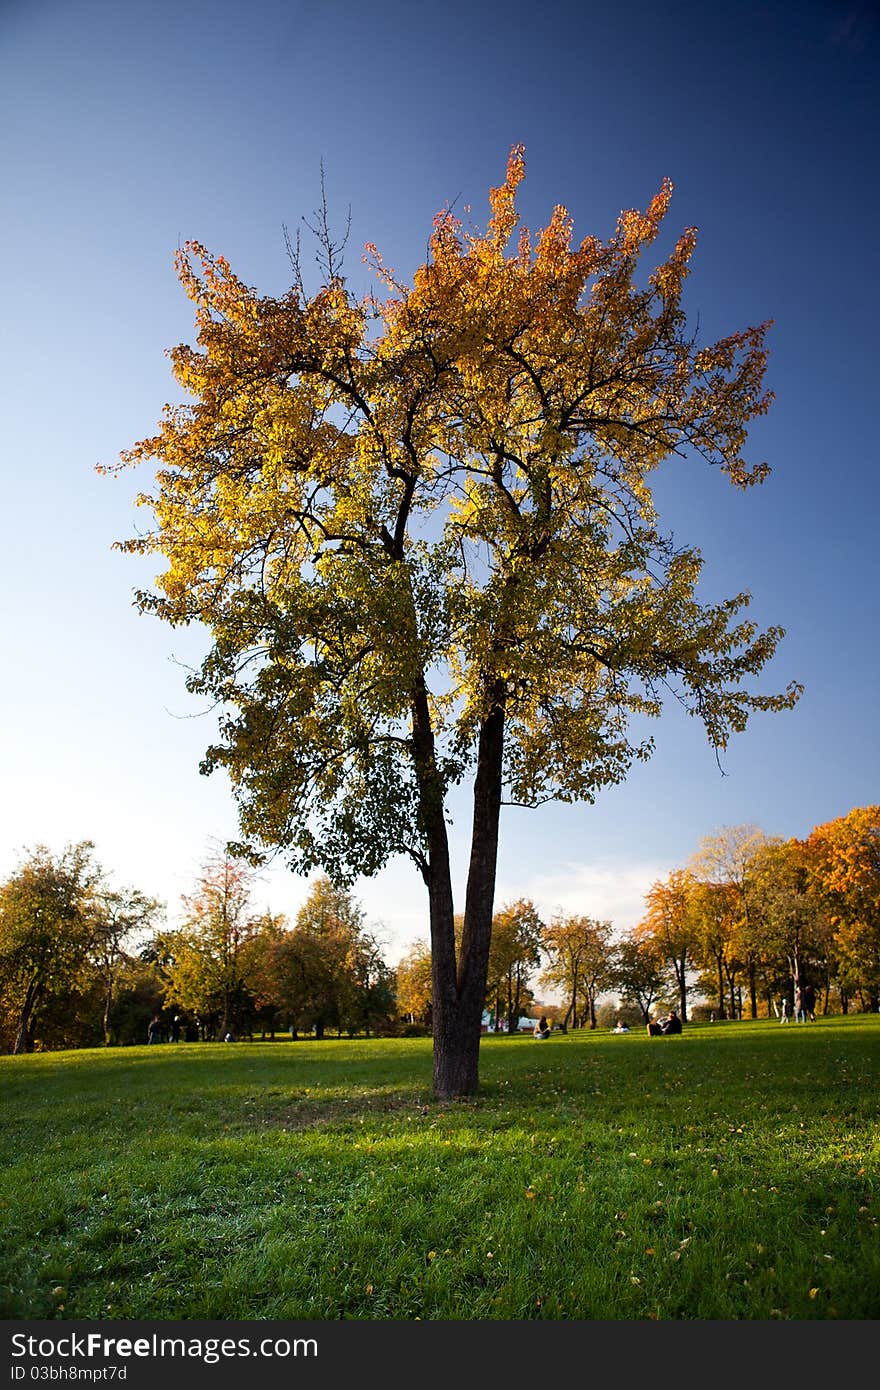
x=845, y=860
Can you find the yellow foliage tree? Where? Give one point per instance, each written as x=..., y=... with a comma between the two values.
x=419, y=528
x=844, y=857
x=671, y=925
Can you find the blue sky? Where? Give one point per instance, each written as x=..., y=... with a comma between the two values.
x=125, y=130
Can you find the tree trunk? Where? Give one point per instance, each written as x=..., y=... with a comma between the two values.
x=753, y=989
x=460, y=994
x=105, y=1021
x=720, y=986
x=22, y=1035
x=438, y=879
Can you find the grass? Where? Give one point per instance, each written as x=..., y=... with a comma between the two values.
x=731, y=1173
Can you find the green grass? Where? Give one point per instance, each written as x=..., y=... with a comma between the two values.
x=731, y=1173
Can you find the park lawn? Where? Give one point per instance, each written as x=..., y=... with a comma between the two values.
x=729, y=1173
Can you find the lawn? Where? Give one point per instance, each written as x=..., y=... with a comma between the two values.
x=730, y=1173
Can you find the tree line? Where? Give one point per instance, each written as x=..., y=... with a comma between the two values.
x=750, y=921
x=82, y=964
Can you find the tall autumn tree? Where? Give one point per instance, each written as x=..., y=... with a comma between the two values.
x=413, y=978
x=580, y=962
x=328, y=970
x=843, y=858
x=47, y=926
x=639, y=972
x=514, y=954
x=207, y=962
x=729, y=858
x=670, y=923
x=419, y=529
x=795, y=926
x=714, y=915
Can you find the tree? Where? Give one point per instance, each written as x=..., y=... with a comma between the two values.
x=794, y=931
x=207, y=961
x=514, y=953
x=329, y=970
x=714, y=909
x=728, y=858
x=579, y=961
x=260, y=960
x=414, y=983
x=63, y=929
x=420, y=531
x=46, y=925
x=844, y=870
x=669, y=923
x=638, y=972
x=121, y=915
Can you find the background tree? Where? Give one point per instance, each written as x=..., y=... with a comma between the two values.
x=579, y=962
x=374, y=1000
x=329, y=971
x=207, y=970
x=794, y=932
x=413, y=983
x=728, y=858
x=259, y=956
x=514, y=954
x=713, y=909
x=121, y=918
x=138, y=995
x=844, y=874
x=64, y=930
x=639, y=973
x=669, y=923
x=420, y=531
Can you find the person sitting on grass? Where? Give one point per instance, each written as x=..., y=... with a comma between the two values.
x=662, y=1027
x=621, y=1027
x=542, y=1027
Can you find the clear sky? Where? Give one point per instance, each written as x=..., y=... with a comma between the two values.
x=126, y=129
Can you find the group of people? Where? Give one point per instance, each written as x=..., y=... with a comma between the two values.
x=804, y=1006
x=178, y=1030
x=662, y=1027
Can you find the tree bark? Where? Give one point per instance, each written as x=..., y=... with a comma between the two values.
x=438, y=879
x=105, y=1021
x=460, y=988
x=753, y=989
x=681, y=974
x=22, y=1035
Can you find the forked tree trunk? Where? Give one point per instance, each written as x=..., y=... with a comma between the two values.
x=459, y=988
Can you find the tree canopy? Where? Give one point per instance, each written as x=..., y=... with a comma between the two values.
x=419, y=528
